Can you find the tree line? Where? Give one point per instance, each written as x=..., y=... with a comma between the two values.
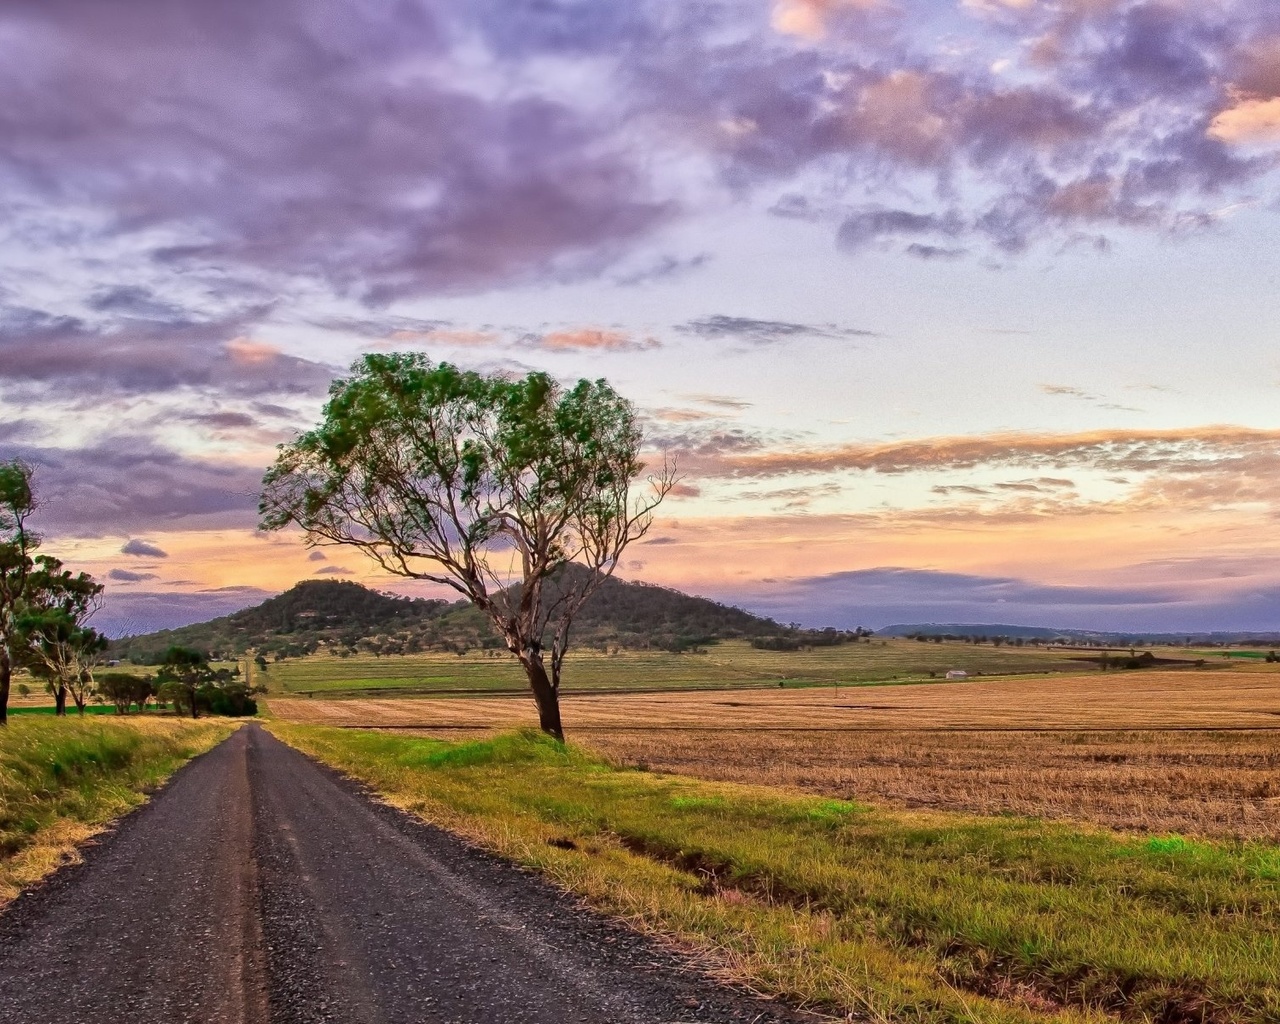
x=45, y=610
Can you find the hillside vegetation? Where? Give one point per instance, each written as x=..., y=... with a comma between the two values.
x=346, y=618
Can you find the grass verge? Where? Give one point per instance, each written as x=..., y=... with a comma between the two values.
x=880, y=915
x=61, y=780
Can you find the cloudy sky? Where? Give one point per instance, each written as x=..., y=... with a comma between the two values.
x=949, y=309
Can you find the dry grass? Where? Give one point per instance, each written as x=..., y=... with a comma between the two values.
x=1213, y=785
x=1222, y=699
x=1184, y=752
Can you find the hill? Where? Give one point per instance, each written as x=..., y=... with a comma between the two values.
x=346, y=617
x=296, y=622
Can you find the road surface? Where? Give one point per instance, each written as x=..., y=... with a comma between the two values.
x=259, y=886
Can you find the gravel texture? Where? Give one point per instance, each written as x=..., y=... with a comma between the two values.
x=259, y=886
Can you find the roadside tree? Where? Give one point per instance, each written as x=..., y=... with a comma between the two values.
x=184, y=672
x=60, y=646
x=187, y=680
x=124, y=689
x=486, y=484
x=17, y=543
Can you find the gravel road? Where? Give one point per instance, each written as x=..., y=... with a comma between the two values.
x=259, y=886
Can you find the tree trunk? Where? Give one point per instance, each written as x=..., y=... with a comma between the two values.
x=60, y=701
x=6, y=677
x=545, y=695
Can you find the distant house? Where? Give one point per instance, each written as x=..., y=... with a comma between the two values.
x=957, y=673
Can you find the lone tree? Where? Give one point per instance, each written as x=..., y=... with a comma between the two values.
x=17, y=503
x=483, y=483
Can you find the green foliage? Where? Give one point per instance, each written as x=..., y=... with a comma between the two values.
x=314, y=613
x=188, y=681
x=487, y=484
x=1167, y=844
x=17, y=544
x=431, y=470
x=123, y=690
x=729, y=663
x=57, y=642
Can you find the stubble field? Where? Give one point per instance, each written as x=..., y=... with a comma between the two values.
x=1190, y=752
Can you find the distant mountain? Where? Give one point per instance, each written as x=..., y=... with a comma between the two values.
x=992, y=629
x=345, y=616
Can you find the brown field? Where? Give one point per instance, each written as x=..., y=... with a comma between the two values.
x=1193, y=753
x=1212, y=785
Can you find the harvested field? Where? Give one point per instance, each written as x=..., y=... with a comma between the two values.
x=1193, y=753
x=1221, y=699
x=1213, y=785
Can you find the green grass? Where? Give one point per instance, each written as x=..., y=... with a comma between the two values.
x=733, y=663
x=60, y=779
x=890, y=915
x=90, y=709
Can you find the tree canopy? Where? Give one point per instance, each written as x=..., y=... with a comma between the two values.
x=483, y=483
x=53, y=623
x=17, y=543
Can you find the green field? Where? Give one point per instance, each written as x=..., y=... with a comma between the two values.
x=90, y=709
x=933, y=918
x=732, y=663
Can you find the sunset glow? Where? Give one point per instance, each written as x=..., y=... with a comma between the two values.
x=947, y=311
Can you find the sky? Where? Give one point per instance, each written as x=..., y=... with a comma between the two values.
x=958, y=311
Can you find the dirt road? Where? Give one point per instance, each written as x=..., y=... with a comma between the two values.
x=258, y=886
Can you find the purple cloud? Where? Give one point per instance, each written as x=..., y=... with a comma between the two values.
x=883, y=596
x=129, y=613
x=127, y=483
x=765, y=332
x=143, y=549
x=126, y=576
x=127, y=355
x=422, y=148
x=346, y=144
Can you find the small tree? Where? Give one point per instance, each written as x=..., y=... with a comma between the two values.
x=183, y=674
x=486, y=484
x=117, y=687
x=124, y=689
x=144, y=688
x=17, y=503
x=60, y=645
